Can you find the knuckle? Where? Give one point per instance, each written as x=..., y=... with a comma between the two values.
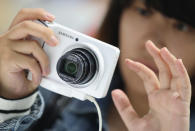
x=43, y=31
x=33, y=63
x=34, y=46
x=6, y=54
x=47, y=33
x=5, y=58
x=50, y=31
x=36, y=42
x=5, y=50
x=23, y=11
x=151, y=75
x=25, y=24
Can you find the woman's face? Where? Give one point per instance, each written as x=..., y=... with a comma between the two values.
x=138, y=25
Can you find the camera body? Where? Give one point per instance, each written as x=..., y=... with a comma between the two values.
x=80, y=65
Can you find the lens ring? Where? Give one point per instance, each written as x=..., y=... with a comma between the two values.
x=86, y=67
x=86, y=63
x=89, y=58
x=61, y=63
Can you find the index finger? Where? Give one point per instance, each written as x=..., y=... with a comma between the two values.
x=27, y=28
x=32, y=14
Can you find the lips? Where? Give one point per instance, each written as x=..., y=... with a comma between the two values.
x=149, y=65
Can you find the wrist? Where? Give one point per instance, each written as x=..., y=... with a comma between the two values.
x=10, y=94
x=10, y=108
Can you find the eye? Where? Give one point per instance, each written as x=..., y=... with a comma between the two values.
x=182, y=26
x=144, y=11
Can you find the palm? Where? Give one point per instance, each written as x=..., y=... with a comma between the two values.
x=165, y=111
x=167, y=105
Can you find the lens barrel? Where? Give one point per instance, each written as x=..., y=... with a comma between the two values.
x=77, y=66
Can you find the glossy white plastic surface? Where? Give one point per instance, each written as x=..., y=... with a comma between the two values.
x=106, y=57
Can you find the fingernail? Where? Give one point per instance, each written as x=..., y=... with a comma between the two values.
x=132, y=65
x=166, y=50
x=154, y=49
x=128, y=61
x=49, y=16
x=152, y=44
x=180, y=60
x=119, y=100
x=54, y=40
x=149, y=42
x=116, y=98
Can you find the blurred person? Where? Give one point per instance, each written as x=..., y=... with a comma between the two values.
x=148, y=104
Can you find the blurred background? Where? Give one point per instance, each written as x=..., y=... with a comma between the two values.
x=82, y=15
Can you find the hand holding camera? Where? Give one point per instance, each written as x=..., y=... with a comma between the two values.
x=80, y=66
x=15, y=54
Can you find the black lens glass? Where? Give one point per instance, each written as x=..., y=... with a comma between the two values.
x=70, y=68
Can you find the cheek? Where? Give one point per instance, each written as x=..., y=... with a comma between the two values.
x=187, y=56
x=131, y=46
x=134, y=32
x=131, y=41
x=184, y=49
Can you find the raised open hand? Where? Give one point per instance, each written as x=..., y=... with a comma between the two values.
x=169, y=96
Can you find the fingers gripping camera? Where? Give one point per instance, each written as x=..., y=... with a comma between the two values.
x=80, y=66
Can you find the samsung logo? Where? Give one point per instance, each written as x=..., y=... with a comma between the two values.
x=66, y=35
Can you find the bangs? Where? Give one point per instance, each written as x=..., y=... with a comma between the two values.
x=181, y=10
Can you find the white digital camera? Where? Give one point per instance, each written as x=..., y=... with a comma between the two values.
x=80, y=66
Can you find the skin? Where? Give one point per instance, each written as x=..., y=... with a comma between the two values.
x=18, y=53
x=157, y=84
x=14, y=58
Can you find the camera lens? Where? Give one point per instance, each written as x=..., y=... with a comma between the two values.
x=70, y=68
x=77, y=66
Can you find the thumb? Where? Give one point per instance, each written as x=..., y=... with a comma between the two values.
x=124, y=107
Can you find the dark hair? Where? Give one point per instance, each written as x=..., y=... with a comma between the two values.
x=182, y=10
